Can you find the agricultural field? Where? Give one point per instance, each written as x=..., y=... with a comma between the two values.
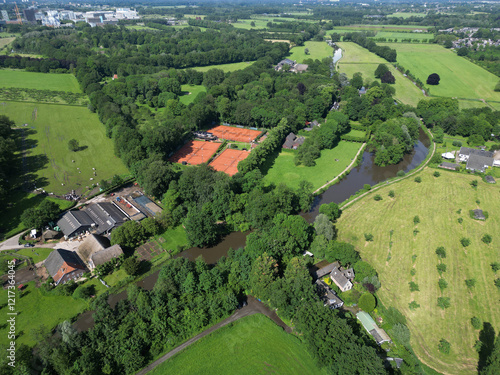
x=406, y=14
x=284, y=170
x=380, y=28
x=252, y=345
x=317, y=50
x=39, y=81
x=459, y=77
x=358, y=59
x=400, y=35
x=439, y=202
x=225, y=67
x=190, y=92
x=49, y=129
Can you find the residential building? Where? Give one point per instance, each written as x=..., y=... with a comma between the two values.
x=103, y=256
x=342, y=278
x=293, y=142
x=477, y=160
x=64, y=265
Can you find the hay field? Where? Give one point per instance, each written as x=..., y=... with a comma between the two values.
x=459, y=77
x=39, y=81
x=358, y=59
x=436, y=201
x=52, y=127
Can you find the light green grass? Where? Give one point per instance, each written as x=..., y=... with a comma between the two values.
x=141, y=27
x=459, y=77
x=37, y=254
x=252, y=345
x=190, y=92
x=317, y=50
x=225, y=67
x=399, y=35
x=172, y=238
x=5, y=41
x=354, y=28
x=358, y=59
x=436, y=202
x=356, y=133
x=285, y=171
x=55, y=125
x=10, y=216
x=36, y=310
x=39, y=81
x=406, y=15
x=114, y=278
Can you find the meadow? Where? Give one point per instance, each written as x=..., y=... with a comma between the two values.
x=173, y=238
x=49, y=134
x=459, y=77
x=317, y=50
x=5, y=41
x=401, y=35
x=358, y=59
x=284, y=170
x=39, y=81
x=251, y=345
x=410, y=256
x=190, y=92
x=225, y=67
x=381, y=27
x=406, y=14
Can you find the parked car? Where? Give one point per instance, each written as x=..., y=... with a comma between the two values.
x=29, y=245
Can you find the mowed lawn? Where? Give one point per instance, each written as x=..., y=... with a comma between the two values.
x=190, y=92
x=225, y=67
x=251, y=345
x=39, y=81
x=401, y=35
x=358, y=59
x=459, y=77
x=436, y=201
x=317, y=50
x=285, y=171
x=53, y=127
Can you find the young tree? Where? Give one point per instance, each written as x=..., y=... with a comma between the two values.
x=443, y=302
x=442, y=284
x=476, y=322
x=465, y=241
x=441, y=268
x=436, y=174
x=418, y=179
x=368, y=237
x=73, y=145
x=486, y=239
x=367, y=302
x=306, y=51
x=131, y=266
x=416, y=220
x=433, y=79
x=495, y=266
x=471, y=283
x=413, y=305
x=444, y=346
x=473, y=183
x=377, y=197
x=391, y=193
x=441, y=252
x=413, y=286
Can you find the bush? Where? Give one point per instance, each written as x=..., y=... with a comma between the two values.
x=465, y=241
x=418, y=180
x=367, y=302
x=400, y=173
x=471, y=283
x=460, y=220
x=443, y=302
x=486, y=239
x=413, y=305
x=444, y=346
x=391, y=193
x=497, y=283
x=367, y=187
x=436, y=174
x=442, y=284
x=377, y=197
x=413, y=286
x=457, y=143
x=495, y=266
x=368, y=237
x=441, y=252
x=84, y=292
x=413, y=272
x=476, y=322
x=441, y=268
x=416, y=220
x=474, y=183
x=401, y=333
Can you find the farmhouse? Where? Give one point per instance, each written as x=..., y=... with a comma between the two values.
x=293, y=142
x=323, y=271
x=371, y=327
x=329, y=297
x=294, y=67
x=64, y=265
x=477, y=160
x=342, y=278
x=450, y=166
x=74, y=223
x=103, y=256
x=92, y=244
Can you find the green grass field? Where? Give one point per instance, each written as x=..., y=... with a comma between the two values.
x=459, y=77
x=10, y=217
x=54, y=126
x=436, y=201
x=190, y=92
x=285, y=171
x=39, y=81
x=356, y=133
x=352, y=28
x=5, y=41
x=317, y=50
x=251, y=345
x=399, y=35
x=37, y=254
x=225, y=67
x=406, y=15
x=358, y=59
x=172, y=238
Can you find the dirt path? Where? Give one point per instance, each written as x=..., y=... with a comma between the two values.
x=253, y=307
x=345, y=170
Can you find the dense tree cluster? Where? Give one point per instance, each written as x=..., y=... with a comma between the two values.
x=7, y=149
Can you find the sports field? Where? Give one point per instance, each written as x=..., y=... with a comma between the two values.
x=50, y=127
x=39, y=81
x=459, y=77
x=439, y=203
x=317, y=50
x=358, y=59
x=284, y=170
x=190, y=92
x=195, y=152
x=251, y=345
x=232, y=133
x=225, y=67
x=228, y=160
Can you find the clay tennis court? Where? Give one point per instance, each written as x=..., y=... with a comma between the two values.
x=195, y=152
x=235, y=134
x=228, y=160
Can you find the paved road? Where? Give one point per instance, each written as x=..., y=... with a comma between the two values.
x=13, y=244
x=253, y=307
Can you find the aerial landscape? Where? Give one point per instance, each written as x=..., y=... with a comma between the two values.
x=247, y=187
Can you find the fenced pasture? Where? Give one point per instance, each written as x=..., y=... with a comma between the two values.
x=195, y=152
x=228, y=160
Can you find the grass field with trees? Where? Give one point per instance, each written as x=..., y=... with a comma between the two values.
x=358, y=59
x=39, y=81
x=284, y=170
x=410, y=256
x=252, y=345
x=190, y=92
x=459, y=77
x=48, y=136
x=225, y=67
x=317, y=50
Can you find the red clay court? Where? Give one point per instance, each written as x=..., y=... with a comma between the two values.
x=235, y=134
x=228, y=160
x=195, y=152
